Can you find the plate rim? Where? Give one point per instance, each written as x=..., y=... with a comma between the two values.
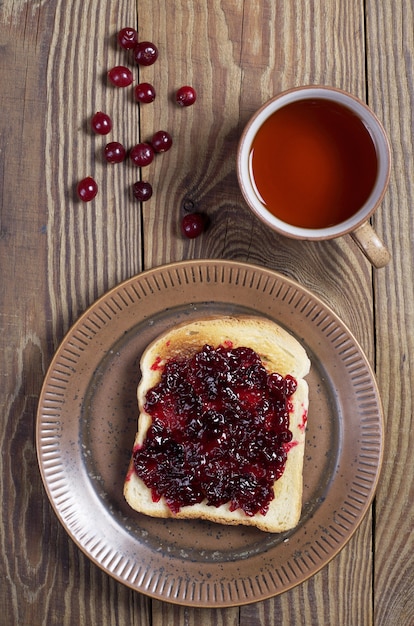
x=193, y=264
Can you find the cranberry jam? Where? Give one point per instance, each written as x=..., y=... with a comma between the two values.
x=219, y=432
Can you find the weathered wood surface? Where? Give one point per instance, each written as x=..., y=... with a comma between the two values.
x=57, y=257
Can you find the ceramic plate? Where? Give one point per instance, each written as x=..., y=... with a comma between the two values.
x=87, y=418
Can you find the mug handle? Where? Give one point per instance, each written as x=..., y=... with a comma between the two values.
x=371, y=245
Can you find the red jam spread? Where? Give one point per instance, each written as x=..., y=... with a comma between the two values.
x=219, y=432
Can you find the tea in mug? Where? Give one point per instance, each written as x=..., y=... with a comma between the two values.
x=313, y=163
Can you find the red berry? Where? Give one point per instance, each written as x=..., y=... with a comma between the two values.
x=142, y=190
x=142, y=154
x=146, y=53
x=87, y=189
x=120, y=76
x=161, y=141
x=101, y=123
x=192, y=225
x=144, y=92
x=114, y=152
x=186, y=96
x=127, y=38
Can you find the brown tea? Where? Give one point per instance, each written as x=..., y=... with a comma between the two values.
x=313, y=163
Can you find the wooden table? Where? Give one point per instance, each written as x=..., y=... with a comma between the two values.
x=58, y=255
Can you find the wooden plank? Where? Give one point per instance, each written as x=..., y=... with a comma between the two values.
x=164, y=614
x=23, y=565
x=237, y=54
x=199, y=45
x=100, y=242
x=391, y=93
x=57, y=257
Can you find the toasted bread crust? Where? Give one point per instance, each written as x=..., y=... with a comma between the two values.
x=280, y=352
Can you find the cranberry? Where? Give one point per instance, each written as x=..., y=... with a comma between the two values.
x=101, y=123
x=142, y=190
x=291, y=384
x=186, y=96
x=87, y=189
x=114, y=152
x=120, y=76
x=213, y=437
x=276, y=383
x=142, y=154
x=192, y=225
x=146, y=53
x=127, y=38
x=281, y=386
x=144, y=92
x=161, y=141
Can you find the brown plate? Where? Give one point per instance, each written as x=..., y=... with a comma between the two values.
x=87, y=418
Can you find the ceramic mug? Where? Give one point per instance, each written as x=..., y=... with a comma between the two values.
x=272, y=161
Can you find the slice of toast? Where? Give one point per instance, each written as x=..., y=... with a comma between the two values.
x=279, y=352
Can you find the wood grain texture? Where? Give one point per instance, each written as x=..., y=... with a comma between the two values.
x=262, y=43
x=23, y=569
x=57, y=256
x=391, y=89
x=99, y=244
x=165, y=614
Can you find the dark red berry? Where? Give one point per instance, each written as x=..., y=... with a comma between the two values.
x=144, y=92
x=120, y=76
x=161, y=141
x=127, y=38
x=186, y=96
x=192, y=225
x=114, y=152
x=142, y=154
x=142, y=190
x=146, y=53
x=291, y=385
x=87, y=189
x=101, y=123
